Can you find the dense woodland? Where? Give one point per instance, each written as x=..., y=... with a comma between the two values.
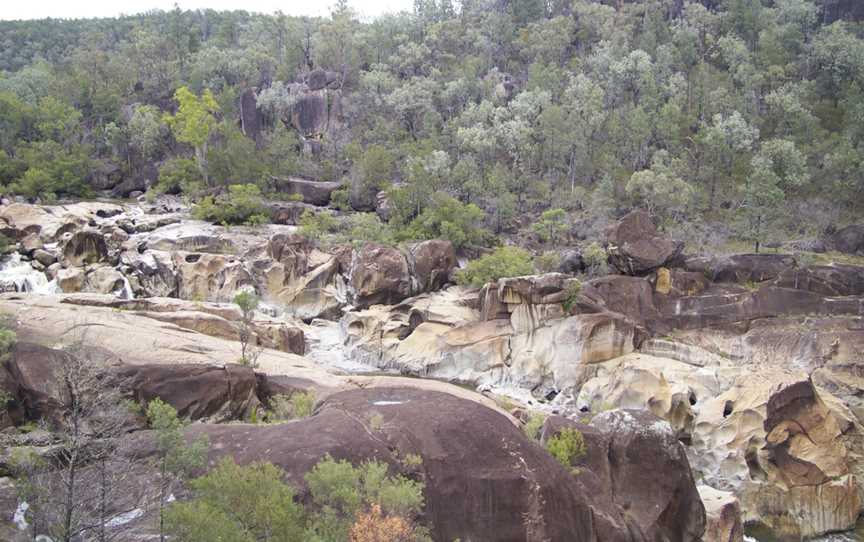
x=730, y=121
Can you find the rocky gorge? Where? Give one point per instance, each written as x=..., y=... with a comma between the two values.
x=715, y=393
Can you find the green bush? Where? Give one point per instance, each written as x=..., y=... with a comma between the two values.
x=595, y=258
x=315, y=225
x=179, y=175
x=448, y=218
x=552, y=224
x=503, y=262
x=238, y=503
x=567, y=446
x=574, y=288
x=547, y=262
x=242, y=204
x=534, y=425
x=53, y=170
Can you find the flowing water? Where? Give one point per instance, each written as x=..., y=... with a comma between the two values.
x=19, y=276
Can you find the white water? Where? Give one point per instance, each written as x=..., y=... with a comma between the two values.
x=125, y=292
x=14, y=271
x=20, y=517
x=326, y=342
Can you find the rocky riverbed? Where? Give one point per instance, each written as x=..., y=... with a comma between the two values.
x=727, y=389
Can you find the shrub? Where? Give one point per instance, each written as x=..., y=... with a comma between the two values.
x=448, y=218
x=567, y=446
x=547, y=262
x=302, y=403
x=367, y=227
x=242, y=203
x=340, y=199
x=574, y=288
x=238, y=503
x=534, y=425
x=179, y=175
x=315, y=225
x=552, y=223
x=595, y=258
x=503, y=262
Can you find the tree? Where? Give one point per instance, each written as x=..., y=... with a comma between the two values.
x=552, y=223
x=503, y=262
x=238, y=503
x=194, y=122
x=659, y=189
x=728, y=139
x=247, y=301
x=175, y=458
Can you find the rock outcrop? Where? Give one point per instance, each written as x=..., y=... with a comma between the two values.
x=635, y=247
x=313, y=192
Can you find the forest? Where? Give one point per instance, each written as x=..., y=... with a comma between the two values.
x=731, y=122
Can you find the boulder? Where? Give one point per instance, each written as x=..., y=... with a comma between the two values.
x=289, y=212
x=251, y=118
x=432, y=262
x=379, y=275
x=85, y=247
x=634, y=458
x=198, y=392
x=33, y=369
x=723, y=515
x=71, y=280
x=382, y=205
x=635, y=248
x=211, y=277
x=311, y=113
x=30, y=243
x=130, y=185
x=313, y=192
x=512, y=491
x=849, y=240
x=571, y=262
x=44, y=257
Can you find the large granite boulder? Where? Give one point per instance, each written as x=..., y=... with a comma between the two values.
x=512, y=491
x=379, y=275
x=634, y=458
x=313, y=192
x=849, y=240
x=635, y=247
x=432, y=263
x=85, y=247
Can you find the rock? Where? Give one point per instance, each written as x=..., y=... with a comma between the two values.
x=382, y=206
x=197, y=391
x=849, y=240
x=211, y=277
x=131, y=187
x=103, y=280
x=828, y=280
x=742, y=268
x=379, y=275
x=105, y=175
x=818, y=246
x=316, y=79
x=30, y=244
x=723, y=515
x=71, y=279
x=85, y=247
x=314, y=192
x=289, y=212
x=44, y=257
x=634, y=246
x=634, y=457
x=571, y=262
x=776, y=444
x=154, y=272
x=251, y=118
x=432, y=263
x=311, y=113
x=33, y=369
x=632, y=297
x=511, y=491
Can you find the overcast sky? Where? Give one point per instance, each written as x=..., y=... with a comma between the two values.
x=60, y=9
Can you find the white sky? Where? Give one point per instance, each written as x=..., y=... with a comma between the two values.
x=65, y=9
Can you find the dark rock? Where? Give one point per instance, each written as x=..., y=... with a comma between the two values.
x=828, y=280
x=382, y=206
x=634, y=458
x=196, y=391
x=289, y=212
x=379, y=275
x=251, y=119
x=310, y=114
x=849, y=240
x=742, y=268
x=432, y=262
x=511, y=492
x=125, y=189
x=316, y=79
x=85, y=247
x=571, y=262
x=313, y=192
x=635, y=248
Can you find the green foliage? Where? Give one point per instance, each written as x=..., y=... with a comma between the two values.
x=503, y=262
x=238, y=503
x=595, y=259
x=179, y=175
x=302, y=404
x=317, y=224
x=447, y=218
x=552, y=224
x=340, y=490
x=574, y=288
x=534, y=425
x=547, y=262
x=53, y=170
x=194, y=122
x=176, y=455
x=567, y=446
x=242, y=204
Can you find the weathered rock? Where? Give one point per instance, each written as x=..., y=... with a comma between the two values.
x=211, y=277
x=85, y=247
x=313, y=192
x=828, y=280
x=196, y=391
x=30, y=244
x=289, y=212
x=723, y=514
x=571, y=262
x=251, y=118
x=379, y=275
x=742, y=268
x=432, y=263
x=44, y=257
x=634, y=246
x=850, y=239
x=382, y=206
x=508, y=492
x=634, y=457
x=71, y=280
